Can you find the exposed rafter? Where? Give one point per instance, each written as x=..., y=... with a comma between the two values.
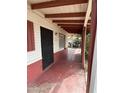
x=68, y=21
x=57, y=3
x=70, y=25
x=76, y=27
x=61, y=15
x=73, y=31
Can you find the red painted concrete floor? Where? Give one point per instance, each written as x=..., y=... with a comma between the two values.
x=65, y=76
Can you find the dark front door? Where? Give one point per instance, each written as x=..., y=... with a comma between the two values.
x=46, y=46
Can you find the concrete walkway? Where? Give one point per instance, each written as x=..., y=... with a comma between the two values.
x=65, y=76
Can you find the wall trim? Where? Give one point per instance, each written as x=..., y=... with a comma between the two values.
x=33, y=61
x=39, y=58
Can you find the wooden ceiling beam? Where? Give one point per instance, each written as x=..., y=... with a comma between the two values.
x=71, y=25
x=56, y=3
x=68, y=21
x=61, y=15
x=74, y=31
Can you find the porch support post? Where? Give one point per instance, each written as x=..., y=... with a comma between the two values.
x=92, y=41
x=83, y=45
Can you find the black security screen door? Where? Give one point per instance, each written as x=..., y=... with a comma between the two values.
x=46, y=46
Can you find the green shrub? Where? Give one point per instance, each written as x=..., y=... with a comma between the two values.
x=87, y=45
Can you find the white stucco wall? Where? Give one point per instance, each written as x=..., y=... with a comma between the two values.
x=38, y=20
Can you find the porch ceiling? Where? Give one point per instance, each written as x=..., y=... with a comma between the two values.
x=65, y=13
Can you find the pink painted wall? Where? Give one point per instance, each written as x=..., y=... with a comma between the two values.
x=33, y=71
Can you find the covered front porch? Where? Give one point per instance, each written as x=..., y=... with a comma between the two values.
x=56, y=46
x=64, y=76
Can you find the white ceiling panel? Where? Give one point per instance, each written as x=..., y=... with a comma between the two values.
x=65, y=9
x=38, y=1
x=70, y=18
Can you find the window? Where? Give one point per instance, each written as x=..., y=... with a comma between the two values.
x=61, y=41
x=30, y=36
